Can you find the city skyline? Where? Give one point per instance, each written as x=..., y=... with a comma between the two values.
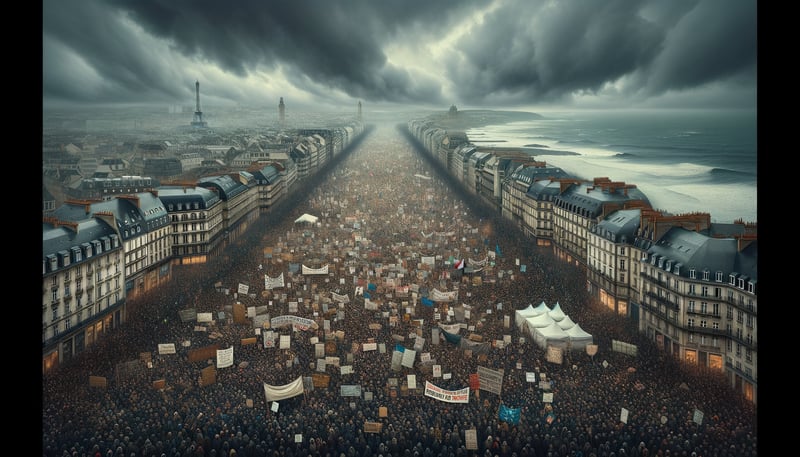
x=521, y=55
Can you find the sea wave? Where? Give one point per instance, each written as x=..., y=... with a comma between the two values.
x=725, y=175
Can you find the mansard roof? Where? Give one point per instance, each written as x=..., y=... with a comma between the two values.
x=697, y=251
x=133, y=213
x=620, y=226
x=204, y=197
x=57, y=238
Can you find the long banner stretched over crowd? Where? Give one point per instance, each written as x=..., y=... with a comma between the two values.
x=438, y=295
x=293, y=389
x=315, y=271
x=448, y=396
x=300, y=323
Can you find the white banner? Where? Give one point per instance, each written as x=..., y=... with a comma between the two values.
x=438, y=295
x=205, y=317
x=315, y=271
x=273, y=283
x=224, y=357
x=166, y=348
x=340, y=298
x=449, y=396
x=369, y=347
x=275, y=393
x=408, y=358
x=243, y=288
x=285, y=342
x=300, y=323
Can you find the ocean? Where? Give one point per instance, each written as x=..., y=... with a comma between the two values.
x=684, y=161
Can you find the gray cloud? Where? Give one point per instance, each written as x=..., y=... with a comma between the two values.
x=522, y=52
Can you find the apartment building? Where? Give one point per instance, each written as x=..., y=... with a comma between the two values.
x=82, y=285
x=698, y=299
x=196, y=220
x=581, y=206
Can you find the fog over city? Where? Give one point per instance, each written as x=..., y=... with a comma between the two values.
x=517, y=54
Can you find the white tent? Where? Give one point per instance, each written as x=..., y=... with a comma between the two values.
x=578, y=338
x=538, y=321
x=541, y=308
x=550, y=335
x=307, y=218
x=557, y=313
x=521, y=314
x=566, y=323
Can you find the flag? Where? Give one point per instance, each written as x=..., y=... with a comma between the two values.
x=427, y=302
x=497, y=250
x=459, y=265
x=399, y=348
x=510, y=415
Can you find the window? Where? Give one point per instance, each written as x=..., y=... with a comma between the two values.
x=704, y=291
x=692, y=289
x=691, y=306
x=741, y=283
x=715, y=309
x=715, y=325
x=718, y=276
x=55, y=281
x=706, y=274
x=740, y=316
x=703, y=323
x=54, y=297
x=690, y=322
x=732, y=279
x=703, y=307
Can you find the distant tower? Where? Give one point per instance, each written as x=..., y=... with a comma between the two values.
x=197, y=121
x=453, y=111
x=359, y=110
x=282, y=112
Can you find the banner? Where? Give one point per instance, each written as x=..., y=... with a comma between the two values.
x=490, y=380
x=299, y=323
x=351, y=390
x=448, y=396
x=315, y=271
x=243, y=289
x=166, y=348
x=340, y=298
x=438, y=295
x=224, y=357
x=273, y=283
x=275, y=393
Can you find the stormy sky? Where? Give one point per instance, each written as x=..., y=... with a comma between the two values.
x=518, y=54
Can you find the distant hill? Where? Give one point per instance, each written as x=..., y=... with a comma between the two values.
x=467, y=119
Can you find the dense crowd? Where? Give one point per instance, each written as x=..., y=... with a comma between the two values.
x=380, y=212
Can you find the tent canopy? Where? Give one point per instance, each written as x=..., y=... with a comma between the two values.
x=307, y=218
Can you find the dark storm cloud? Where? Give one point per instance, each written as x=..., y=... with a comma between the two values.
x=521, y=52
x=530, y=53
x=337, y=44
x=87, y=50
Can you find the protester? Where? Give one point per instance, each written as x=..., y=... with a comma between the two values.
x=382, y=217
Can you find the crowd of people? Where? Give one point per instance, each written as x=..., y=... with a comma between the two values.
x=382, y=216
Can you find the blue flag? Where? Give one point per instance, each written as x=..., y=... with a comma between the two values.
x=426, y=301
x=510, y=415
x=367, y=295
x=372, y=286
x=399, y=348
x=497, y=250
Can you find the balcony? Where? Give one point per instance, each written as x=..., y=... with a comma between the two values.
x=663, y=301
